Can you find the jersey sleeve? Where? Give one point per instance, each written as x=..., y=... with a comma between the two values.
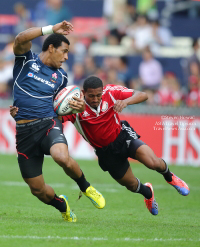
x=71, y=118
x=119, y=92
x=20, y=60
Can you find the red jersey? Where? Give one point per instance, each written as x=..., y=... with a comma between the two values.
x=102, y=126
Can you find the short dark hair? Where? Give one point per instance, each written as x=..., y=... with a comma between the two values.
x=194, y=42
x=55, y=39
x=92, y=82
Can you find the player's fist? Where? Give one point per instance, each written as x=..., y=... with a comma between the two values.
x=119, y=106
x=63, y=28
x=13, y=110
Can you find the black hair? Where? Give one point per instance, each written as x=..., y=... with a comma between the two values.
x=194, y=42
x=54, y=39
x=124, y=60
x=92, y=82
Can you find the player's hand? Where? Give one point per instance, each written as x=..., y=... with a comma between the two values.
x=63, y=27
x=77, y=104
x=13, y=110
x=119, y=106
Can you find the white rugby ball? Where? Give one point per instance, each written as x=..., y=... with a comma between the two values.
x=61, y=101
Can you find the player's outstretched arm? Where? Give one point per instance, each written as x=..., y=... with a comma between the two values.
x=22, y=43
x=137, y=97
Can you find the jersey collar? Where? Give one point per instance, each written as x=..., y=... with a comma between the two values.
x=97, y=112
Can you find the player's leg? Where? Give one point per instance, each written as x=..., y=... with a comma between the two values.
x=31, y=170
x=134, y=185
x=145, y=155
x=55, y=143
x=113, y=159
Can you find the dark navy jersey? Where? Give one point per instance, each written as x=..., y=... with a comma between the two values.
x=35, y=86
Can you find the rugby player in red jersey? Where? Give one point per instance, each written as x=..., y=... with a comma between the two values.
x=115, y=141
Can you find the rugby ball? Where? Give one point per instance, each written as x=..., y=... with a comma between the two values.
x=61, y=101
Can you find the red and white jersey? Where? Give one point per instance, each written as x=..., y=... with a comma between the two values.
x=102, y=126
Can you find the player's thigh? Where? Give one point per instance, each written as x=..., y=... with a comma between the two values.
x=54, y=136
x=134, y=146
x=146, y=156
x=30, y=167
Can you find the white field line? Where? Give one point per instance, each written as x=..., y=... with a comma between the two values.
x=112, y=188
x=101, y=239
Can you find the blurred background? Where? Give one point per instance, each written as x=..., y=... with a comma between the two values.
x=147, y=45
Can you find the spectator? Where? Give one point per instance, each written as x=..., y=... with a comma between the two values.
x=124, y=75
x=25, y=18
x=147, y=7
x=141, y=33
x=161, y=35
x=77, y=48
x=50, y=12
x=90, y=66
x=150, y=71
x=57, y=12
x=79, y=74
x=6, y=74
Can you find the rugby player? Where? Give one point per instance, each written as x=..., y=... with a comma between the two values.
x=115, y=140
x=37, y=79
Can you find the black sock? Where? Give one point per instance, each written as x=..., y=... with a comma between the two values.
x=58, y=203
x=167, y=174
x=143, y=190
x=82, y=183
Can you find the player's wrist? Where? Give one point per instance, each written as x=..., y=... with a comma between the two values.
x=47, y=30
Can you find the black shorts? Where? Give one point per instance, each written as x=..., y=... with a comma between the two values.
x=114, y=157
x=35, y=139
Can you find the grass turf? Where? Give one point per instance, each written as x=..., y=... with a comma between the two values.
x=25, y=221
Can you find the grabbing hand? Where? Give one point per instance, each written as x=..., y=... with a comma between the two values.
x=63, y=28
x=119, y=106
x=13, y=110
x=77, y=104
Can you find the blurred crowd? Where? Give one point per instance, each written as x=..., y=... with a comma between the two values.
x=135, y=23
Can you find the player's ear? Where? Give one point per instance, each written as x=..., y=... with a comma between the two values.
x=83, y=92
x=50, y=48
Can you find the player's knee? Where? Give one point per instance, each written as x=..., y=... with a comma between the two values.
x=38, y=191
x=154, y=163
x=61, y=158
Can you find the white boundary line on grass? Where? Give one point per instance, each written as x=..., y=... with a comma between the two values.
x=101, y=239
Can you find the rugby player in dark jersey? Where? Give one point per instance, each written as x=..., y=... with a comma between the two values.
x=37, y=79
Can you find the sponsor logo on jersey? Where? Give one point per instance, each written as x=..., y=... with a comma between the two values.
x=35, y=67
x=41, y=80
x=85, y=114
x=54, y=77
x=30, y=74
x=104, y=106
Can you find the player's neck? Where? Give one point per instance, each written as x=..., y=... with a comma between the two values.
x=44, y=57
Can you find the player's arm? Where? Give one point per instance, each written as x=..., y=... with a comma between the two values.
x=136, y=98
x=22, y=43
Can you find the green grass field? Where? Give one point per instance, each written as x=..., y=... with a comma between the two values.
x=25, y=221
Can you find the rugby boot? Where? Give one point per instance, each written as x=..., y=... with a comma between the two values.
x=68, y=215
x=151, y=203
x=179, y=185
x=96, y=197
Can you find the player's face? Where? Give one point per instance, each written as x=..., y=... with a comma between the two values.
x=59, y=55
x=93, y=96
